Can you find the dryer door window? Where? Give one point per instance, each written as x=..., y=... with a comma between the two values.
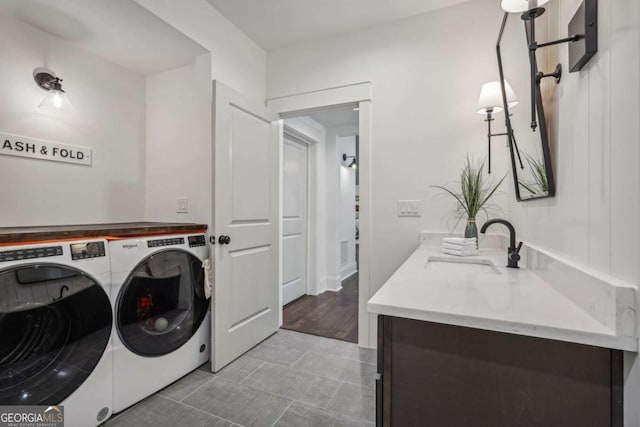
x=162, y=304
x=55, y=323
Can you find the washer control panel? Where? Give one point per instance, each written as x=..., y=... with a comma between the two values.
x=20, y=254
x=87, y=250
x=196, y=241
x=165, y=242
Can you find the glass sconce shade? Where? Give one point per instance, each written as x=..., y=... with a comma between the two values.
x=56, y=100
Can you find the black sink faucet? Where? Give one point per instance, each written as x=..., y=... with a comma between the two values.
x=513, y=254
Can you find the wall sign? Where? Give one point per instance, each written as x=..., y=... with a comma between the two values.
x=20, y=146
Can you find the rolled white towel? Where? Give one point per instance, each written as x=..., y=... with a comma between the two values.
x=459, y=240
x=460, y=253
x=458, y=247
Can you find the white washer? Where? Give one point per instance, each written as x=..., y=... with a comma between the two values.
x=161, y=315
x=55, y=328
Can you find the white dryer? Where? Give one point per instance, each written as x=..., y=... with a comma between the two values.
x=161, y=314
x=55, y=328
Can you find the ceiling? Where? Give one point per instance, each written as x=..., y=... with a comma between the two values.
x=119, y=31
x=335, y=117
x=277, y=23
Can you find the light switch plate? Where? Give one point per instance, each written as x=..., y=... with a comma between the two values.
x=409, y=208
x=183, y=205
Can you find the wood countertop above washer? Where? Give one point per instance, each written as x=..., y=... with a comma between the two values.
x=121, y=229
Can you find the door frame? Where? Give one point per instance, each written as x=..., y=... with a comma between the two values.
x=353, y=94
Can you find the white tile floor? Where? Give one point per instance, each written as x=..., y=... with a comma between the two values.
x=290, y=379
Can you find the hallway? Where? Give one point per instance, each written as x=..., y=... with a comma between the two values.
x=330, y=314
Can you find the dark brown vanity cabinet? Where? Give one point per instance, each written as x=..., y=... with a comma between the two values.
x=437, y=375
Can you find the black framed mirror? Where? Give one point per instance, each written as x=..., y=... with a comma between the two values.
x=527, y=130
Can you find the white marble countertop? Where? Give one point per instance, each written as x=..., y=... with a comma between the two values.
x=513, y=301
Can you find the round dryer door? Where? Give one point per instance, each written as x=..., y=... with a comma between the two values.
x=55, y=323
x=162, y=304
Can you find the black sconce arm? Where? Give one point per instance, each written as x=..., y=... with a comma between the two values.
x=507, y=116
x=534, y=71
x=535, y=45
x=490, y=135
x=530, y=18
x=557, y=74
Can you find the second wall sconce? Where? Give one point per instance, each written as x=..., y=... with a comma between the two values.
x=56, y=99
x=354, y=162
x=489, y=103
x=583, y=39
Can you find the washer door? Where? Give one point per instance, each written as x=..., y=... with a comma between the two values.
x=162, y=304
x=55, y=323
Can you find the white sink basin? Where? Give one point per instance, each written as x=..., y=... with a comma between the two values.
x=461, y=265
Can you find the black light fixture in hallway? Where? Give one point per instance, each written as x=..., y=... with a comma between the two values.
x=354, y=162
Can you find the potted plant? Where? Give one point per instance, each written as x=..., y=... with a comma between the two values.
x=473, y=194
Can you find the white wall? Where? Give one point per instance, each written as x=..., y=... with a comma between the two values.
x=339, y=223
x=178, y=149
x=425, y=73
x=331, y=278
x=179, y=107
x=109, y=118
x=346, y=215
x=594, y=218
x=236, y=60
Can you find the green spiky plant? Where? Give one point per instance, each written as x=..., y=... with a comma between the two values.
x=475, y=191
x=540, y=184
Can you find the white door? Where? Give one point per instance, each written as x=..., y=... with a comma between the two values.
x=245, y=307
x=294, y=220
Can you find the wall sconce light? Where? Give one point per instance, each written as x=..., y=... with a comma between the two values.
x=354, y=162
x=517, y=6
x=583, y=39
x=56, y=99
x=489, y=103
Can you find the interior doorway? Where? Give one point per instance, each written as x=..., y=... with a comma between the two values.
x=322, y=300
x=296, y=105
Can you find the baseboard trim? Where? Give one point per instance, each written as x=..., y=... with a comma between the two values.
x=330, y=284
x=348, y=271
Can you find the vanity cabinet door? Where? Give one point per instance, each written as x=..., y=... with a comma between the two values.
x=383, y=376
x=443, y=375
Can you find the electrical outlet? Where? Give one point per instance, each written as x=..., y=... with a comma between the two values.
x=409, y=208
x=183, y=205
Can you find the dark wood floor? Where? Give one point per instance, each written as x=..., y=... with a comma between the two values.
x=330, y=314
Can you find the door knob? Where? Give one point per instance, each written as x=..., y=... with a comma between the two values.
x=224, y=240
